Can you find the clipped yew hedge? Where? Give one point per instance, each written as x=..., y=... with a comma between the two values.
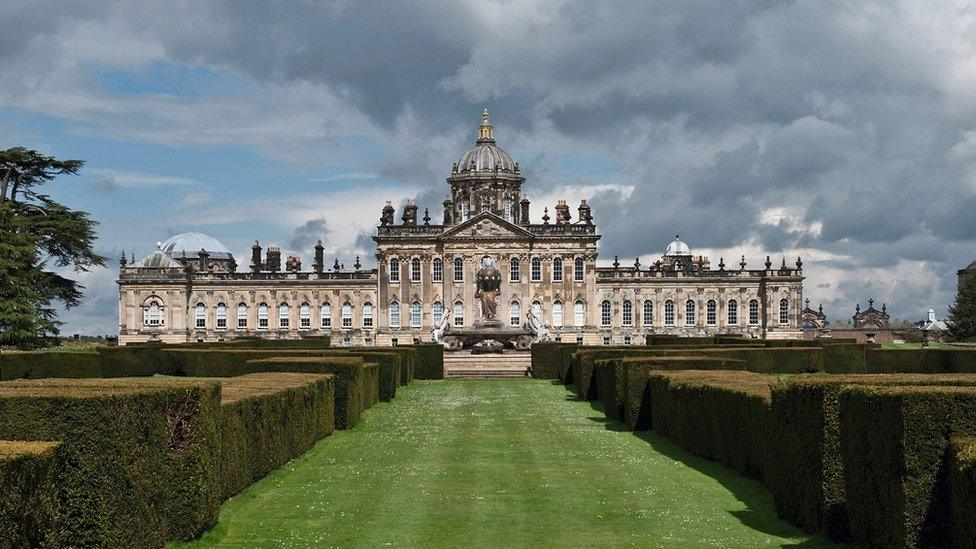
x=389, y=370
x=140, y=457
x=350, y=380
x=44, y=364
x=29, y=506
x=962, y=491
x=268, y=419
x=634, y=395
x=807, y=482
x=895, y=443
x=719, y=415
x=428, y=361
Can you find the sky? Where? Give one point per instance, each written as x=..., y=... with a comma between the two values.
x=840, y=132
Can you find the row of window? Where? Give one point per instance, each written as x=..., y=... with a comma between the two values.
x=691, y=313
x=153, y=314
x=515, y=266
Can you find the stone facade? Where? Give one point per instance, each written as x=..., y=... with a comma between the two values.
x=425, y=271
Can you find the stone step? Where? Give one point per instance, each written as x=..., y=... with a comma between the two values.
x=462, y=365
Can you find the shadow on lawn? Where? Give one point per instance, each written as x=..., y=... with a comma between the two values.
x=759, y=514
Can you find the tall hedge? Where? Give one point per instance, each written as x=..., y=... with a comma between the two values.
x=429, y=360
x=962, y=491
x=141, y=457
x=635, y=373
x=895, y=446
x=269, y=419
x=29, y=506
x=545, y=359
x=807, y=482
x=389, y=370
x=350, y=378
x=718, y=415
x=45, y=364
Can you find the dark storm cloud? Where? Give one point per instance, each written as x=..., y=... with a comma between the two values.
x=853, y=117
x=303, y=239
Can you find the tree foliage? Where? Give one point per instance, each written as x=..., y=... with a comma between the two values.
x=962, y=315
x=37, y=236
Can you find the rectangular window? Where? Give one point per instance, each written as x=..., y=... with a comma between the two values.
x=753, y=312
x=459, y=314
x=784, y=311
x=669, y=313
x=536, y=270
x=394, y=341
x=710, y=313
x=733, y=313
x=241, y=317
x=326, y=316
x=347, y=315
x=283, y=320
x=648, y=316
x=578, y=272
x=415, y=315
x=557, y=270
x=263, y=317
x=438, y=270
x=458, y=269
x=394, y=270
x=367, y=315
x=628, y=313
x=579, y=340
x=514, y=314
x=514, y=271
x=415, y=270
x=626, y=340
x=606, y=340
x=221, y=317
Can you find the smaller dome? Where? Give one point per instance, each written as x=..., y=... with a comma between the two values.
x=677, y=247
x=190, y=244
x=156, y=260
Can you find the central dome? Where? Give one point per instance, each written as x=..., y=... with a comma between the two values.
x=677, y=247
x=486, y=156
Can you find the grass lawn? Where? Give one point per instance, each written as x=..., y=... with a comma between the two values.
x=499, y=463
x=933, y=345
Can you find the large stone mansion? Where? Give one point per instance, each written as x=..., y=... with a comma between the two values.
x=190, y=288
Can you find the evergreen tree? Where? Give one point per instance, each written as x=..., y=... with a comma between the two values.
x=962, y=315
x=36, y=234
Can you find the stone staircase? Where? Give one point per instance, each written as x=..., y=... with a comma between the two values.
x=464, y=365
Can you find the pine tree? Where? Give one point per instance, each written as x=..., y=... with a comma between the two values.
x=36, y=233
x=962, y=315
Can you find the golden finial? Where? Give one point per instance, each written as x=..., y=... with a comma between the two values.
x=486, y=131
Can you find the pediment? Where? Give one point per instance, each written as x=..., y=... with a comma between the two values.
x=487, y=226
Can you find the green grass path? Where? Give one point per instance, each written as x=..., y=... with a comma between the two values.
x=499, y=463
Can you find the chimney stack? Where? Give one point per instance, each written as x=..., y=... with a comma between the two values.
x=293, y=264
x=585, y=214
x=319, y=263
x=273, y=259
x=410, y=214
x=448, y=208
x=562, y=212
x=256, y=257
x=387, y=217
x=524, y=213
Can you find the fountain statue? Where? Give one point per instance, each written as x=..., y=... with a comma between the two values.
x=488, y=281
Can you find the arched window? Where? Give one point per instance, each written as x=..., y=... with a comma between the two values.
x=394, y=270
x=605, y=313
x=557, y=269
x=263, y=316
x=536, y=269
x=784, y=311
x=514, y=272
x=753, y=312
x=514, y=313
x=367, y=315
x=152, y=315
x=648, y=313
x=669, y=313
x=415, y=269
x=689, y=313
x=578, y=270
x=437, y=313
x=711, y=313
x=305, y=316
x=346, y=314
x=579, y=313
x=438, y=270
x=284, y=320
x=416, y=314
x=733, y=315
x=326, y=315
x=537, y=309
x=201, y=316
x=458, y=313
x=557, y=314
x=394, y=314
x=242, y=316
x=627, y=312
x=221, y=316
x=458, y=269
